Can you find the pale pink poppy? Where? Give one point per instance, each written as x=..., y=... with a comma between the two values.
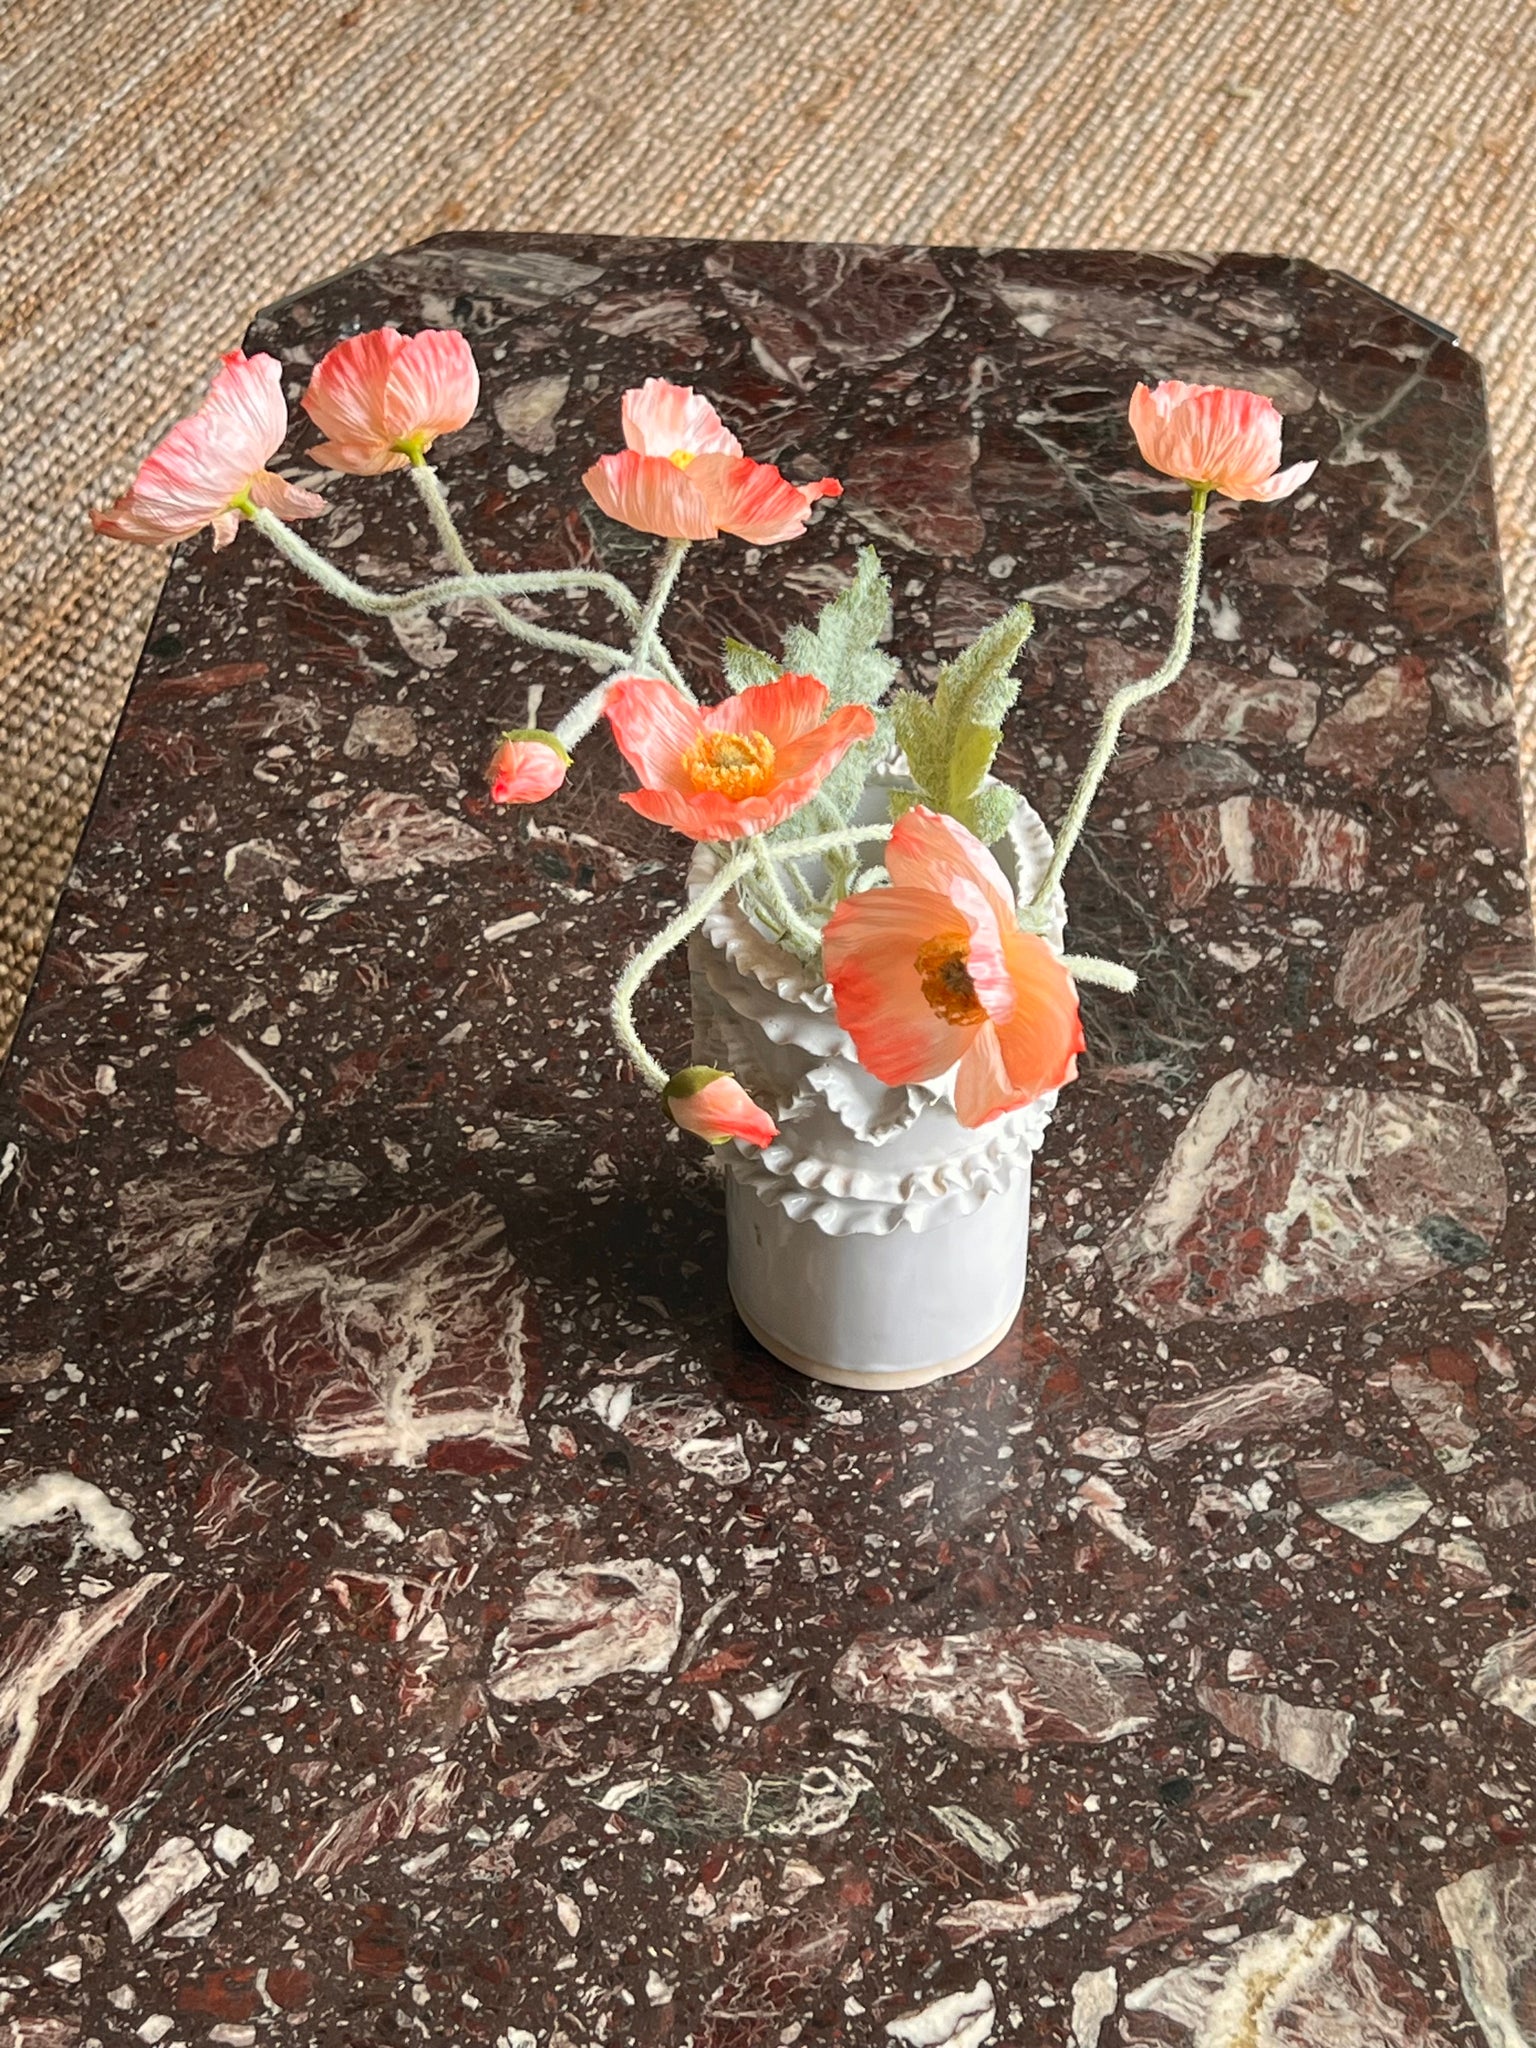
x=1211, y=434
x=934, y=972
x=716, y=1107
x=683, y=475
x=725, y=770
x=528, y=766
x=382, y=398
x=214, y=463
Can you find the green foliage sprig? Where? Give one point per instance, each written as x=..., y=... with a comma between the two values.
x=843, y=651
x=951, y=739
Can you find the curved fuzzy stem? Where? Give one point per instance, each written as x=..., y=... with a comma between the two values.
x=640, y=967
x=648, y=645
x=430, y=485
x=637, y=971
x=428, y=482
x=829, y=842
x=1125, y=700
x=386, y=604
x=803, y=937
x=646, y=650
x=1101, y=973
x=840, y=867
x=582, y=716
x=803, y=888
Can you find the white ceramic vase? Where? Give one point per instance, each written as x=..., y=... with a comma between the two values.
x=877, y=1242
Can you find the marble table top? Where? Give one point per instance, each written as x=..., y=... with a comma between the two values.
x=458, y=1631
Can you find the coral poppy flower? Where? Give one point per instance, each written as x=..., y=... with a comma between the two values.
x=716, y=1107
x=1209, y=434
x=207, y=464
x=528, y=766
x=382, y=398
x=683, y=475
x=727, y=770
x=935, y=971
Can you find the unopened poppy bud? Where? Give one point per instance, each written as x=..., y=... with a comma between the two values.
x=715, y=1107
x=528, y=766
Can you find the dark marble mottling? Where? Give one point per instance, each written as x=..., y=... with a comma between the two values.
x=514, y=1653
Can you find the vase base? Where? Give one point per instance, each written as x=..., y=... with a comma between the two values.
x=874, y=1380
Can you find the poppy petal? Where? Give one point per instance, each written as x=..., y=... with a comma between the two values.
x=869, y=949
x=653, y=728
x=781, y=710
x=753, y=501
x=244, y=414
x=669, y=419
x=1041, y=1040
x=983, y=1087
x=650, y=494
x=819, y=750
x=929, y=850
x=1282, y=483
x=347, y=391
x=433, y=386
x=287, y=500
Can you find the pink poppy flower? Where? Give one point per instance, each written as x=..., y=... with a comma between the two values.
x=726, y=770
x=528, y=766
x=683, y=475
x=382, y=398
x=934, y=971
x=207, y=464
x=1209, y=434
x=716, y=1107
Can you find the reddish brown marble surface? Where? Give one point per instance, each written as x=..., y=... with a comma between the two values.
x=514, y=1653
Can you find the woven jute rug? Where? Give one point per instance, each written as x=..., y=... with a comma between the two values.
x=168, y=169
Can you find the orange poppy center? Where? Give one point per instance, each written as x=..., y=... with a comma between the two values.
x=681, y=456
x=733, y=764
x=948, y=988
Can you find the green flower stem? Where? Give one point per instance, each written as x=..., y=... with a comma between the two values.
x=427, y=481
x=648, y=645
x=641, y=966
x=639, y=969
x=582, y=716
x=804, y=938
x=840, y=864
x=803, y=888
x=429, y=484
x=829, y=842
x=386, y=604
x=646, y=651
x=1101, y=973
x=1124, y=701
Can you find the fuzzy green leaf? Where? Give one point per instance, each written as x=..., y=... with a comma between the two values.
x=843, y=649
x=970, y=758
x=746, y=666
x=845, y=785
x=978, y=687
x=951, y=740
x=920, y=738
x=989, y=812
